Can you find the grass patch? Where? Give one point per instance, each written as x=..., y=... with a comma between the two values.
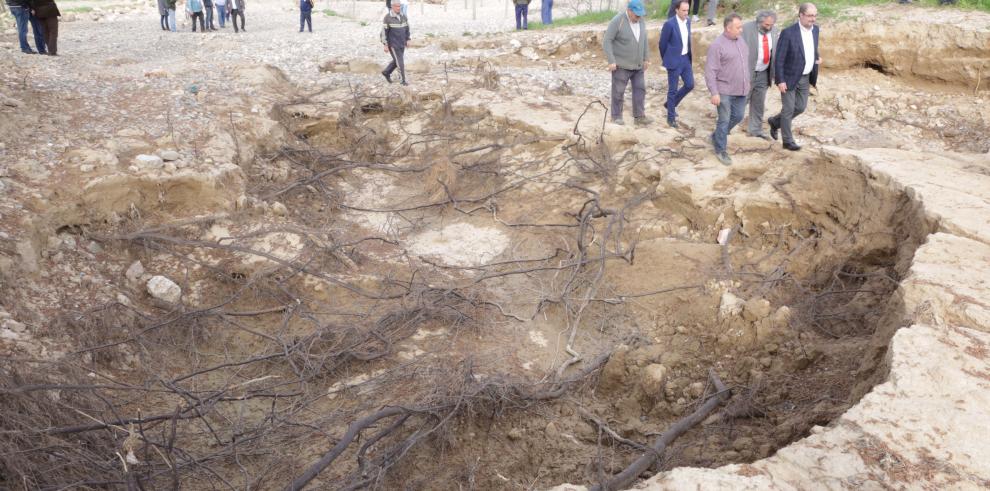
x=79, y=10
x=329, y=13
x=597, y=17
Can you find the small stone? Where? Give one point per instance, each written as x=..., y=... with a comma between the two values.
x=654, y=379
x=15, y=326
x=86, y=168
x=149, y=161
x=134, y=272
x=165, y=289
x=169, y=155
x=279, y=209
x=696, y=389
x=169, y=167
x=551, y=430
x=742, y=444
x=94, y=247
x=515, y=434
x=682, y=231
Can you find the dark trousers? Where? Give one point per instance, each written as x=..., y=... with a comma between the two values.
x=397, y=62
x=620, y=77
x=165, y=22
x=305, y=18
x=792, y=103
x=50, y=26
x=198, y=15
x=684, y=73
x=234, y=14
x=209, y=17
x=522, y=12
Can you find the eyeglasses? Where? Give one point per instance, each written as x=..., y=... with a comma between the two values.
x=809, y=15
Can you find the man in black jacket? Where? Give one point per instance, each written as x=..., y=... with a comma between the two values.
x=21, y=11
x=395, y=37
x=47, y=14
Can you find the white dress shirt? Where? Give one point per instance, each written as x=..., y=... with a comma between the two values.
x=635, y=29
x=682, y=24
x=760, y=66
x=809, y=49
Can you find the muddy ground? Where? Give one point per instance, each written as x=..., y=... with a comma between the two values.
x=470, y=283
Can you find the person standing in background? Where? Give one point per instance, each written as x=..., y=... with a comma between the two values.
x=628, y=58
x=305, y=14
x=795, y=70
x=195, y=10
x=22, y=17
x=546, y=12
x=47, y=13
x=236, y=9
x=170, y=5
x=522, y=14
x=395, y=37
x=221, y=12
x=163, y=13
x=208, y=6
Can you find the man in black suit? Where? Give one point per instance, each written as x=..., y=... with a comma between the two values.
x=676, y=56
x=795, y=70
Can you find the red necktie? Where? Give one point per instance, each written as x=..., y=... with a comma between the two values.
x=766, y=50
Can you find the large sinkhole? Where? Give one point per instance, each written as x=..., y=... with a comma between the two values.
x=438, y=299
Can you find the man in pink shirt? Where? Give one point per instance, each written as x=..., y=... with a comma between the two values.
x=728, y=81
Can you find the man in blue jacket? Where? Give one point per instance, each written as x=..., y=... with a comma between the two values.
x=795, y=70
x=675, y=53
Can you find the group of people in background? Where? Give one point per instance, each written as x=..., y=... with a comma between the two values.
x=42, y=16
x=203, y=12
x=741, y=64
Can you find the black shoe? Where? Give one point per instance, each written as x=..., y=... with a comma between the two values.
x=794, y=147
x=672, y=123
x=710, y=23
x=404, y=83
x=773, y=129
x=387, y=77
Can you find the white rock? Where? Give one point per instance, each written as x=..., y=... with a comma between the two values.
x=165, y=289
x=654, y=379
x=730, y=305
x=756, y=309
x=279, y=209
x=149, y=161
x=169, y=155
x=86, y=168
x=515, y=43
x=134, y=272
x=170, y=167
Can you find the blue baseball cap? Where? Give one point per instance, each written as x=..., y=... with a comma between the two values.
x=637, y=7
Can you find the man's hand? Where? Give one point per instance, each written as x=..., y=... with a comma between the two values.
x=386, y=47
x=716, y=100
x=646, y=65
x=782, y=86
x=612, y=67
x=819, y=62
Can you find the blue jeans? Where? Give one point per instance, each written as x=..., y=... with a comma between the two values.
x=546, y=12
x=522, y=12
x=685, y=73
x=171, y=20
x=730, y=113
x=22, y=16
x=305, y=18
x=222, y=14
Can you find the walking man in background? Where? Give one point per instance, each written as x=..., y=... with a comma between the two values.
x=761, y=36
x=727, y=77
x=794, y=71
x=208, y=6
x=170, y=5
x=163, y=13
x=625, y=49
x=546, y=12
x=522, y=14
x=195, y=10
x=395, y=37
x=676, y=56
x=221, y=12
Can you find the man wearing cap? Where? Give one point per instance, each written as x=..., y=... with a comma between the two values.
x=675, y=53
x=625, y=48
x=727, y=77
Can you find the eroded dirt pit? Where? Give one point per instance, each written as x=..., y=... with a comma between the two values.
x=458, y=286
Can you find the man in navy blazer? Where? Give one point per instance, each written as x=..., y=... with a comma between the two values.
x=795, y=69
x=675, y=53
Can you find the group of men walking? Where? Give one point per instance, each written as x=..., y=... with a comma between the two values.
x=741, y=65
x=42, y=16
x=202, y=11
